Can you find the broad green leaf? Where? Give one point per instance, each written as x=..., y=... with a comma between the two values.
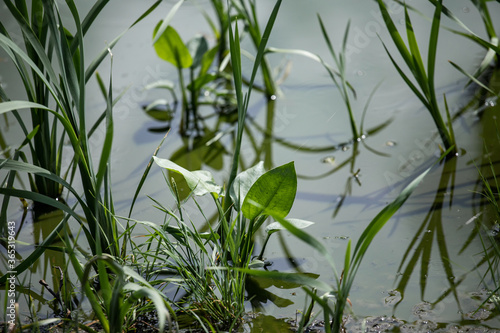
x=243, y=182
x=302, y=279
x=275, y=190
x=200, y=182
x=197, y=47
x=171, y=48
x=297, y=223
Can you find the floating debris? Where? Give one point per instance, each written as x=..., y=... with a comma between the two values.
x=329, y=160
x=390, y=143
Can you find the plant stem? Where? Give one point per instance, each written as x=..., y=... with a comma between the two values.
x=185, y=107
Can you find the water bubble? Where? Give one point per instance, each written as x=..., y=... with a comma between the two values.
x=273, y=97
x=345, y=148
x=466, y=9
x=402, y=21
x=490, y=103
x=360, y=72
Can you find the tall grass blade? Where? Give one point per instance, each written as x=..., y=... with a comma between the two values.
x=166, y=21
x=433, y=44
x=97, y=61
x=108, y=138
x=243, y=102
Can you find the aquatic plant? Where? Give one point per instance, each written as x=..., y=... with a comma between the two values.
x=207, y=85
x=335, y=298
x=204, y=261
x=197, y=58
x=424, y=77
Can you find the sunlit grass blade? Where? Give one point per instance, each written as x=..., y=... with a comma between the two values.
x=166, y=21
x=108, y=138
x=417, y=63
x=433, y=44
x=396, y=37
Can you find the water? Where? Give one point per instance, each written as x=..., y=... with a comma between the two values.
x=420, y=266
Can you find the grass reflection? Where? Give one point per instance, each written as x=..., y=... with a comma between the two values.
x=429, y=234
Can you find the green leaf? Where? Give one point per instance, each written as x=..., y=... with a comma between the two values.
x=292, y=279
x=275, y=190
x=197, y=47
x=171, y=48
x=208, y=59
x=297, y=223
x=256, y=264
x=160, y=110
x=243, y=182
x=200, y=182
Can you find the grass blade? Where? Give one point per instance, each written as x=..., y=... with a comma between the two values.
x=473, y=78
x=166, y=21
x=433, y=43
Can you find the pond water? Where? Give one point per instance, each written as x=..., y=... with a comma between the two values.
x=421, y=266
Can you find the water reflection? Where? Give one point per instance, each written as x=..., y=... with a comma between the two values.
x=430, y=233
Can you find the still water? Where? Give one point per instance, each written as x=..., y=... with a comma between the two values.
x=421, y=266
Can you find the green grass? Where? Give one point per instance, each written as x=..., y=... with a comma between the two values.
x=424, y=76
x=56, y=50
x=342, y=86
x=52, y=68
